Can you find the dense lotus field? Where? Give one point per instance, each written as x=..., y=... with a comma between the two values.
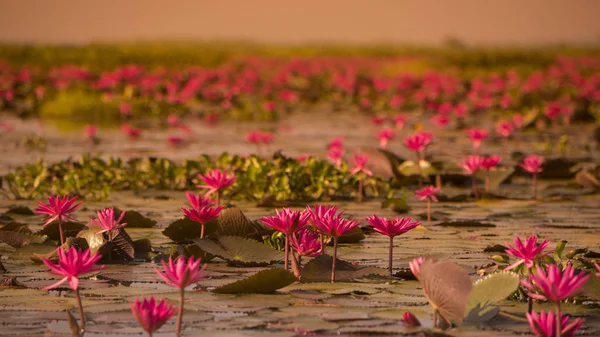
x=269, y=196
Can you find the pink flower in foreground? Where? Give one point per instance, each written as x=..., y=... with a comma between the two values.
x=58, y=209
x=544, y=324
x=392, y=227
x=216, y=180
x=527, y=253
x=150, y=314
x=428, y=192
x=555, y=285
x=198, y=201
x=287, y=221
x=306, y=243
x=202, y=215
x=477, y=136
x=415, y=266
x=384, y=137
x=532, y=164
x=72, y=263
x=471, y=164
x=319, y=212
x=410, y=320
x=490, y=162
x=182, y=273
x=106, y=220
x=360, y=162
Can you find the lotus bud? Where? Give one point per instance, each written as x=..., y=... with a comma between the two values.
x=410, y=320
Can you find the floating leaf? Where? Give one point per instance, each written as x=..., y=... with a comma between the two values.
x=21, y=210
x=18, y=240
x=188, y=230
x=134, y=219
x=240, y=250
x=447, y=287
x=233, y=222
x=16, y=227
x=70, y=229
x=355, y=235
x=95, y=241
x=119, y=249
x=466, y=223
x=488, y=291
x=263, y=282
x=319, y=270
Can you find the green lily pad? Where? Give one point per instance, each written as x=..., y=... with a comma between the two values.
x=489, y=291
x=188, y=230
x=70, y=229
x=263, y=282
x=238, y=250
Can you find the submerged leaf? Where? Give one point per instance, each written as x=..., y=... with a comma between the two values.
x=263, y=282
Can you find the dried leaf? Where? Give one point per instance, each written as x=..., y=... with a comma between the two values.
x=263, y=282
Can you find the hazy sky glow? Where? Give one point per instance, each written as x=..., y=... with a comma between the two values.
x=276, y=21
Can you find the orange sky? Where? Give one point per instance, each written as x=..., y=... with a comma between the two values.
x=289, y=21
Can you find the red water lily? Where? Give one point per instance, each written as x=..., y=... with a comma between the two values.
x=58, y=209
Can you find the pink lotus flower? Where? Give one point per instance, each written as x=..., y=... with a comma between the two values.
x=504, y=128
x=517, y=120
x=287, y=222
x=597, y=267
x=198, y=201
x=532, y=164
x=472, y=164
x=400, y=120
x=335, y=226
x=216, y=180
x=488, y=163
x=254, y=137
x=106, y=221
x=544, y=324
x=182, y=273
x=555, y=285
x=392, y=228
x=379, y=119
x=151, y=315
x=173, y=120
x=336, y=154
x=302, y=157
x=175, y=140
x=526, y=253
x=58, y=209
x=306, y=243
x=428, y=192
x=396, y=101
x=410, y=320
x=268, y=106
x=440, y=120
x=418, y=142
x=90, y=131
x=202, y=215
x=337, y=142
x=125, y=109
x=131, y=132
x=384, y=137
x=415, y=266
x=72, y=263
x=360, y=162
x=477, y=136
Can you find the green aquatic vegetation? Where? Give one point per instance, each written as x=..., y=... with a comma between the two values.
x=280, y=178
